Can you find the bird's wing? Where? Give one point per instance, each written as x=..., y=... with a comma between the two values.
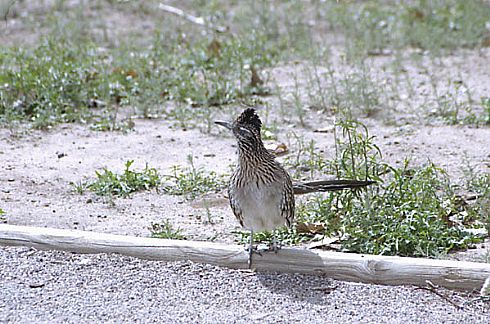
x=237, y=211
x=287, y=201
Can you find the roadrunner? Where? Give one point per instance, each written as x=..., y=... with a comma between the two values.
x=261, y=191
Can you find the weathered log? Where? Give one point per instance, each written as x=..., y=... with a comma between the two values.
x=383, y=270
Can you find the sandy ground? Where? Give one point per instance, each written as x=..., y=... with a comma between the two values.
x=36, y=186
x=35, y=181
x=59, y=287
x=36, y=168
x=56, y=287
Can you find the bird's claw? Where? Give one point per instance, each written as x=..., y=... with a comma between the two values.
x=274, y=246
x=252, y=250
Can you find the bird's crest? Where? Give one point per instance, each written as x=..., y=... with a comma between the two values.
x=249, y=118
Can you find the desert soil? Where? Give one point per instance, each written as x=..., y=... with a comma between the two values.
x=37, y=167
x=35, y=191
x=60, y=287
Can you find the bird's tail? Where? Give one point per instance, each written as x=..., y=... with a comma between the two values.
x=329, y=185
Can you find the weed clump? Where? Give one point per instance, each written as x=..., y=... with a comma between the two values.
x=58, y=81
x=192, y=182
x=2, y=216
x=430, y=25
x=165, y=230
x=410, y=212
x=109, y=183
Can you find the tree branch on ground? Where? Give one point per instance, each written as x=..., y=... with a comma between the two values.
x=196, y=20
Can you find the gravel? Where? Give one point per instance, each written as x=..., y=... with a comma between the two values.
x=61, y=287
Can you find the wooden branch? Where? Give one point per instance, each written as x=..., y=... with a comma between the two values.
x=342, y=266
x=196, y=20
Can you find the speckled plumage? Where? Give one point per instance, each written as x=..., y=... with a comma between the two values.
x=260, y=190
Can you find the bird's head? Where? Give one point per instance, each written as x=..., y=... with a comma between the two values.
x=246, y=127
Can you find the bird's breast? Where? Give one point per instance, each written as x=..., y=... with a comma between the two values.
x=260, y=204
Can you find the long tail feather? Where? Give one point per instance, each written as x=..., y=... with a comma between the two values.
x=329, y=185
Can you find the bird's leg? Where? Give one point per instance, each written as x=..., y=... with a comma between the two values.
x=274, y=246
x=250, y=249
x=274, y=241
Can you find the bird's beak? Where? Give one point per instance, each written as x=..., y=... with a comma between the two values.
x=224, y=124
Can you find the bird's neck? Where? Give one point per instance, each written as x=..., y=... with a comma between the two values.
x=253, y=153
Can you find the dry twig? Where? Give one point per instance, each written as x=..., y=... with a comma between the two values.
x=196, y=20
x=7, y=10
x=433, y=289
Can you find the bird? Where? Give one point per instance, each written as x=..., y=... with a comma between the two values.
x=260, y=191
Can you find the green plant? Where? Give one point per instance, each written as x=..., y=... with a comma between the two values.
x=478, y=185
x=79, y=187
x=356, y=154
x=59, y=81
x=284, y=236
x=410, y=212
x=306, y=160
x=122, y=185
x=415, y=214
x=350, y=94
x=192, y=181
x=165, y=230
x=355, y=94
x=372, y=27
x=2, y=218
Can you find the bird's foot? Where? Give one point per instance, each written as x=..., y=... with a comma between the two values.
x=275, y=245
x=252, y=250
x=255, y=250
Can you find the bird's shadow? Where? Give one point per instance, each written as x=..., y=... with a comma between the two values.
x=313, y=289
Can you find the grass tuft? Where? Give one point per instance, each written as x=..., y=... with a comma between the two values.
x=192, y=182
x=109, y=183
x=430, y=25
x=58, y=81
x=165, y=230
x=410, y=212
x=413, y=214
x=2, y=216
